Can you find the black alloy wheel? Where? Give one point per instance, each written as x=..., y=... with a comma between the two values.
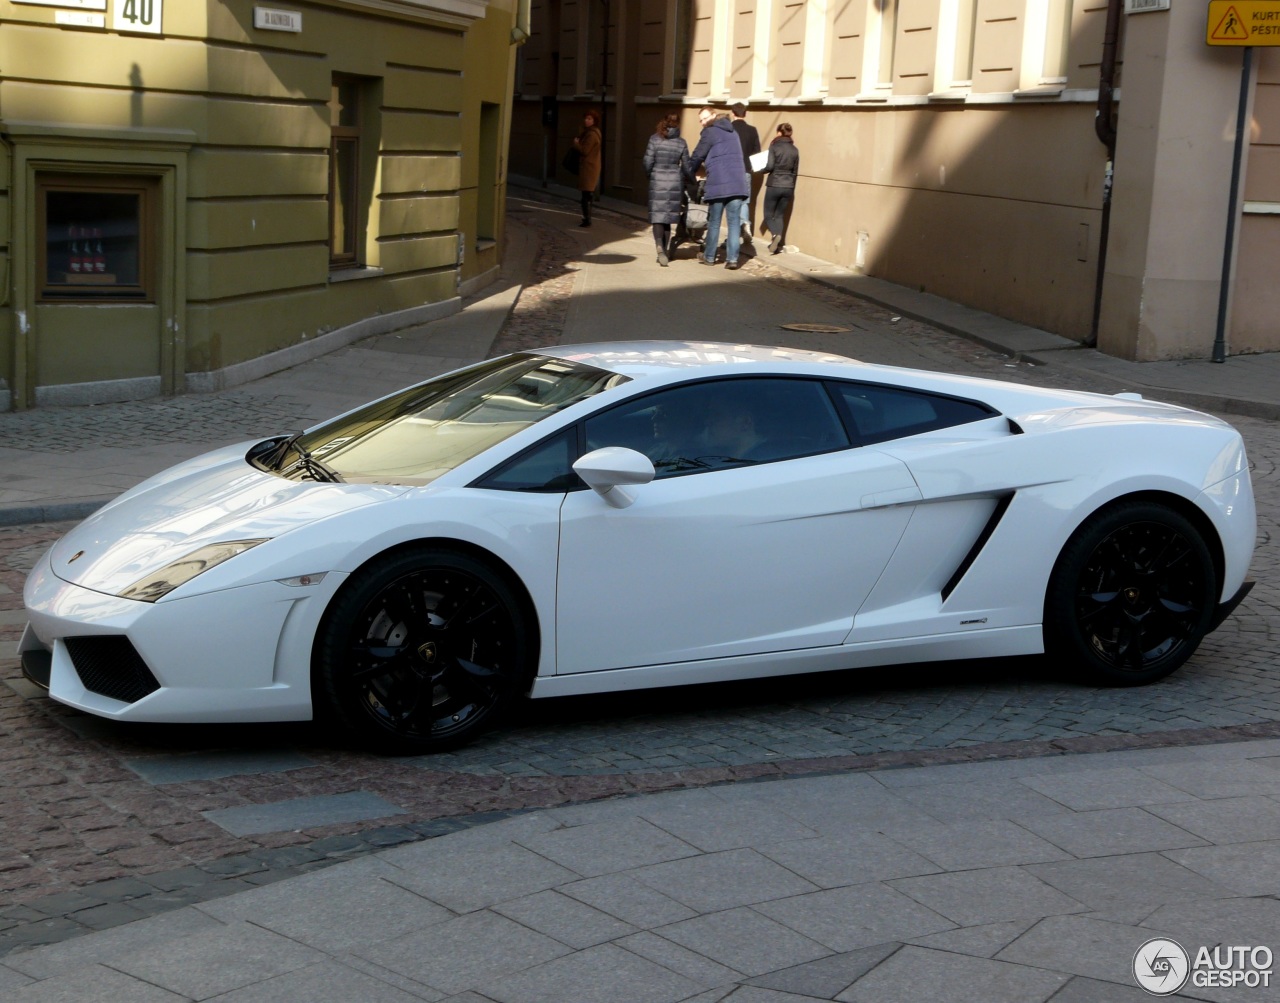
x=1132, y=594
x=421, y=651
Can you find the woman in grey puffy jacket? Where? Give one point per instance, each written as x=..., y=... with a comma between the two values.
x=780, y=189
x=664, y=162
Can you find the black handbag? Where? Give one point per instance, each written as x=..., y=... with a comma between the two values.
x=572, y=160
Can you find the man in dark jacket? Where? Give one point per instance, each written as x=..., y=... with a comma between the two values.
x=750, y=140
x=727, y=190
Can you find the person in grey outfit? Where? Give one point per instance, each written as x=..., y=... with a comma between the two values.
x=664, y=161
x=780, y=189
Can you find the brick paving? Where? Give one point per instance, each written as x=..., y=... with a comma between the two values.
x=86, y=842
x=194, y=418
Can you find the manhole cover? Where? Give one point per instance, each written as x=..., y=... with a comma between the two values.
x=817, y=328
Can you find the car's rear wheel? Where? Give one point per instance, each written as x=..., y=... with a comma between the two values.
x=1132, y=595
x=421, y=651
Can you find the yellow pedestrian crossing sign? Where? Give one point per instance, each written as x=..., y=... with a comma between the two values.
x=1243, y=22
x=1230, y=27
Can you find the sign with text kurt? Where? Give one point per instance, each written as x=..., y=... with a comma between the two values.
x=1243, y=22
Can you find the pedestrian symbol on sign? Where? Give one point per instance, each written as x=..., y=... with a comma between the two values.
x=1230, y=27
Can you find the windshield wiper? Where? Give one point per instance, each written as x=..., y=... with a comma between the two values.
x=271, y=457
x=314, y=467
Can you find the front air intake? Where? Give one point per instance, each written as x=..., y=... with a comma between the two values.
x=111, y=667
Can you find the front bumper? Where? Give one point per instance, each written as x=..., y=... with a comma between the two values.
x=236, y=655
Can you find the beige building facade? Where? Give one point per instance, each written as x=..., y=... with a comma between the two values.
x=197, y=192
x=950, y=146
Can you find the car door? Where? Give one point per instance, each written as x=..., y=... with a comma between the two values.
x=734, y=548
x=947, y=442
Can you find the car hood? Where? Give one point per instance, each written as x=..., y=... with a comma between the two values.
x=215, y=498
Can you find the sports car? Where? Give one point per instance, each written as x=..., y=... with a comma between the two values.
x=595, y=518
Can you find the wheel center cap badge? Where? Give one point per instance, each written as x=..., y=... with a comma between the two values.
x=1131, y=594
x=427, y=652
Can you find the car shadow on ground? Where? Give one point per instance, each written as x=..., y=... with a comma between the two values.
x=815, y=691
x=820, y=694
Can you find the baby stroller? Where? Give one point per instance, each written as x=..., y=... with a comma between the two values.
x=692, y=227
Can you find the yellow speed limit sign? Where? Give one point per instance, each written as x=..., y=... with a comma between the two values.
x=1243, y=22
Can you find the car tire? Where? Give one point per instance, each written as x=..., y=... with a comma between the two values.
x=421, y=651
x=1131, y=596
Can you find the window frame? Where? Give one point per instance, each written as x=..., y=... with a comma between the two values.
x=854, y=438
x=574, y=432
x=579, y=432
x=332, y=442
x=859, y=439
x=147, y=190
x=823, y=382
x=348, y=136
x=886, y=51
x=1055, y=61
x=965, y=37
x=680, y=17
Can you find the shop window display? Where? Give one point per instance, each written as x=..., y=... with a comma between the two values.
x=95, y=240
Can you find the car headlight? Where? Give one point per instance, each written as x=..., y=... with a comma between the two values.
x=160, y=583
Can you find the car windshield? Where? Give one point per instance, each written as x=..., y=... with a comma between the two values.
x=427, y=430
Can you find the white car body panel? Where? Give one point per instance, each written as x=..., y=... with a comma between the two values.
x=907, y=599
x=215, y=498
x=871, y=555
x=999, y=643
x=699, y=555
x=219, y=654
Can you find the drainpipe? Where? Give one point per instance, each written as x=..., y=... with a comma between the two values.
x=604, y=95
x=8, y=260
x=523, y=27
x=18, y=357
x=1107, y=134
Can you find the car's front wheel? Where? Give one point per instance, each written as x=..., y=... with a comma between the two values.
x=1131, y=596
x=421, y=651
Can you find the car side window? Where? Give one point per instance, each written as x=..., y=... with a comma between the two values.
x=882, y=413
x=723, y=423
x=548, y=466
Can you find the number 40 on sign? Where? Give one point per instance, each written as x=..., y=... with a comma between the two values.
x=137, y=15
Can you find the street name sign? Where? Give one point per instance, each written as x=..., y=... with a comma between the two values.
x=1243, y=22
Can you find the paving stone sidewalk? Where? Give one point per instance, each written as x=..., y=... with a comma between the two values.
x=998, y=882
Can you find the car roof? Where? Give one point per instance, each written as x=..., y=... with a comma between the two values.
x=655, y=358
x=658, y=362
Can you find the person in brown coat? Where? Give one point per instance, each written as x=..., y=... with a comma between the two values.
x=588, y=143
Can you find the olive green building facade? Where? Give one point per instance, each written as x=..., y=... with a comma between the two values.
x=197, y=192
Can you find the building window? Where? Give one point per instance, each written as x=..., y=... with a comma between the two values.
x=682, y=44
x=1057, y=39
x=489, y=182
x=888, y=41
x=344, y=172
x=966, y=21
x=595, y=38
x=97, y=237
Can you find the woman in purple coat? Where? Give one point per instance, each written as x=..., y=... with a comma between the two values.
x=727, y=185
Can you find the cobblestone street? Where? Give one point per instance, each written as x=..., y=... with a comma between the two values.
x=101, y=824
